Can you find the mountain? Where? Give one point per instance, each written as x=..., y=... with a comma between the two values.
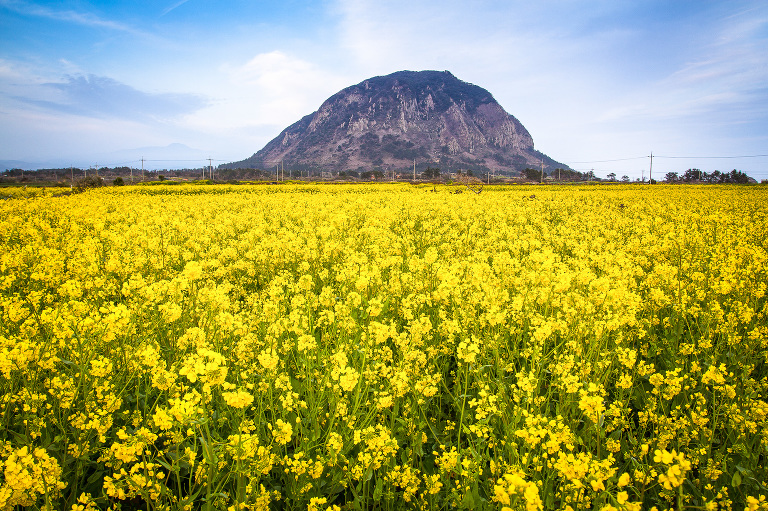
x=388, y=122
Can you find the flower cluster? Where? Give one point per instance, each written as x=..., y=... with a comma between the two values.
x=384, y=347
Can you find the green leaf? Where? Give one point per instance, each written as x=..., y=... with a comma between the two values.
x=549, y=499
x=736, y=479
x=96, y=476
x=468, y=502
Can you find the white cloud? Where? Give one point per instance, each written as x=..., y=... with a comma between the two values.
x=260, y=97
x=15, y=76
x=44, y=115
x=8, y=70
x=723, y=81
x=61, y=136
x=279, y=75
x=103, y=97
x=382, y=37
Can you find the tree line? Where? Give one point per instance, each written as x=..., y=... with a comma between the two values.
x=698, y=176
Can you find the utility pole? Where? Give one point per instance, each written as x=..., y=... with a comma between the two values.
x=142, y=169
x=210, y=168
x=414, y=169
x=650, y=171
x=542, y=170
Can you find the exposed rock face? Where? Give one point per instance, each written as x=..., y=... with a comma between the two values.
x=387, y=122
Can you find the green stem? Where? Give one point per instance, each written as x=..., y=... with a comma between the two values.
x=463, y=404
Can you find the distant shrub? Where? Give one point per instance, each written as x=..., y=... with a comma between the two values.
x=118, y=181
x=167, y=182
x=89, y=182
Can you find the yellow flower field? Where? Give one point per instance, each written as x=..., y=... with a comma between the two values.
x=384, y=347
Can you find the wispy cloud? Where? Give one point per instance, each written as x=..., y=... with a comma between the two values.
x=724, y=81
x=69, y=16
x=487, y=33
x=173, y=6
x=103, y=97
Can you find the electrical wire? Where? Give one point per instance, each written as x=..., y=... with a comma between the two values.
x=607, y=161
x=714, y=157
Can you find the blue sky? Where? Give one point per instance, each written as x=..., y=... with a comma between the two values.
x=591, y=80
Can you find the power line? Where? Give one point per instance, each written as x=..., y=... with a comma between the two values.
x=675, y=157
x=198, y=159
x=607, y=161
x=609, y=170
x=714, y=157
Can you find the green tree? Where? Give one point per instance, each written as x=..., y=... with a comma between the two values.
x=375, y=174
x=532, y=174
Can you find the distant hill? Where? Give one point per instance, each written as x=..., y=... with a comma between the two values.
x=388, y=122
x=18, y=164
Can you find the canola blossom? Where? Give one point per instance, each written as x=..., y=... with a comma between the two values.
x=384, y=347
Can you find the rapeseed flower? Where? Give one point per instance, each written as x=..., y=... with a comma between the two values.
x=268, y=345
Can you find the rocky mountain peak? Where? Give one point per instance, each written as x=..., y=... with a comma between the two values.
x=390, y=122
